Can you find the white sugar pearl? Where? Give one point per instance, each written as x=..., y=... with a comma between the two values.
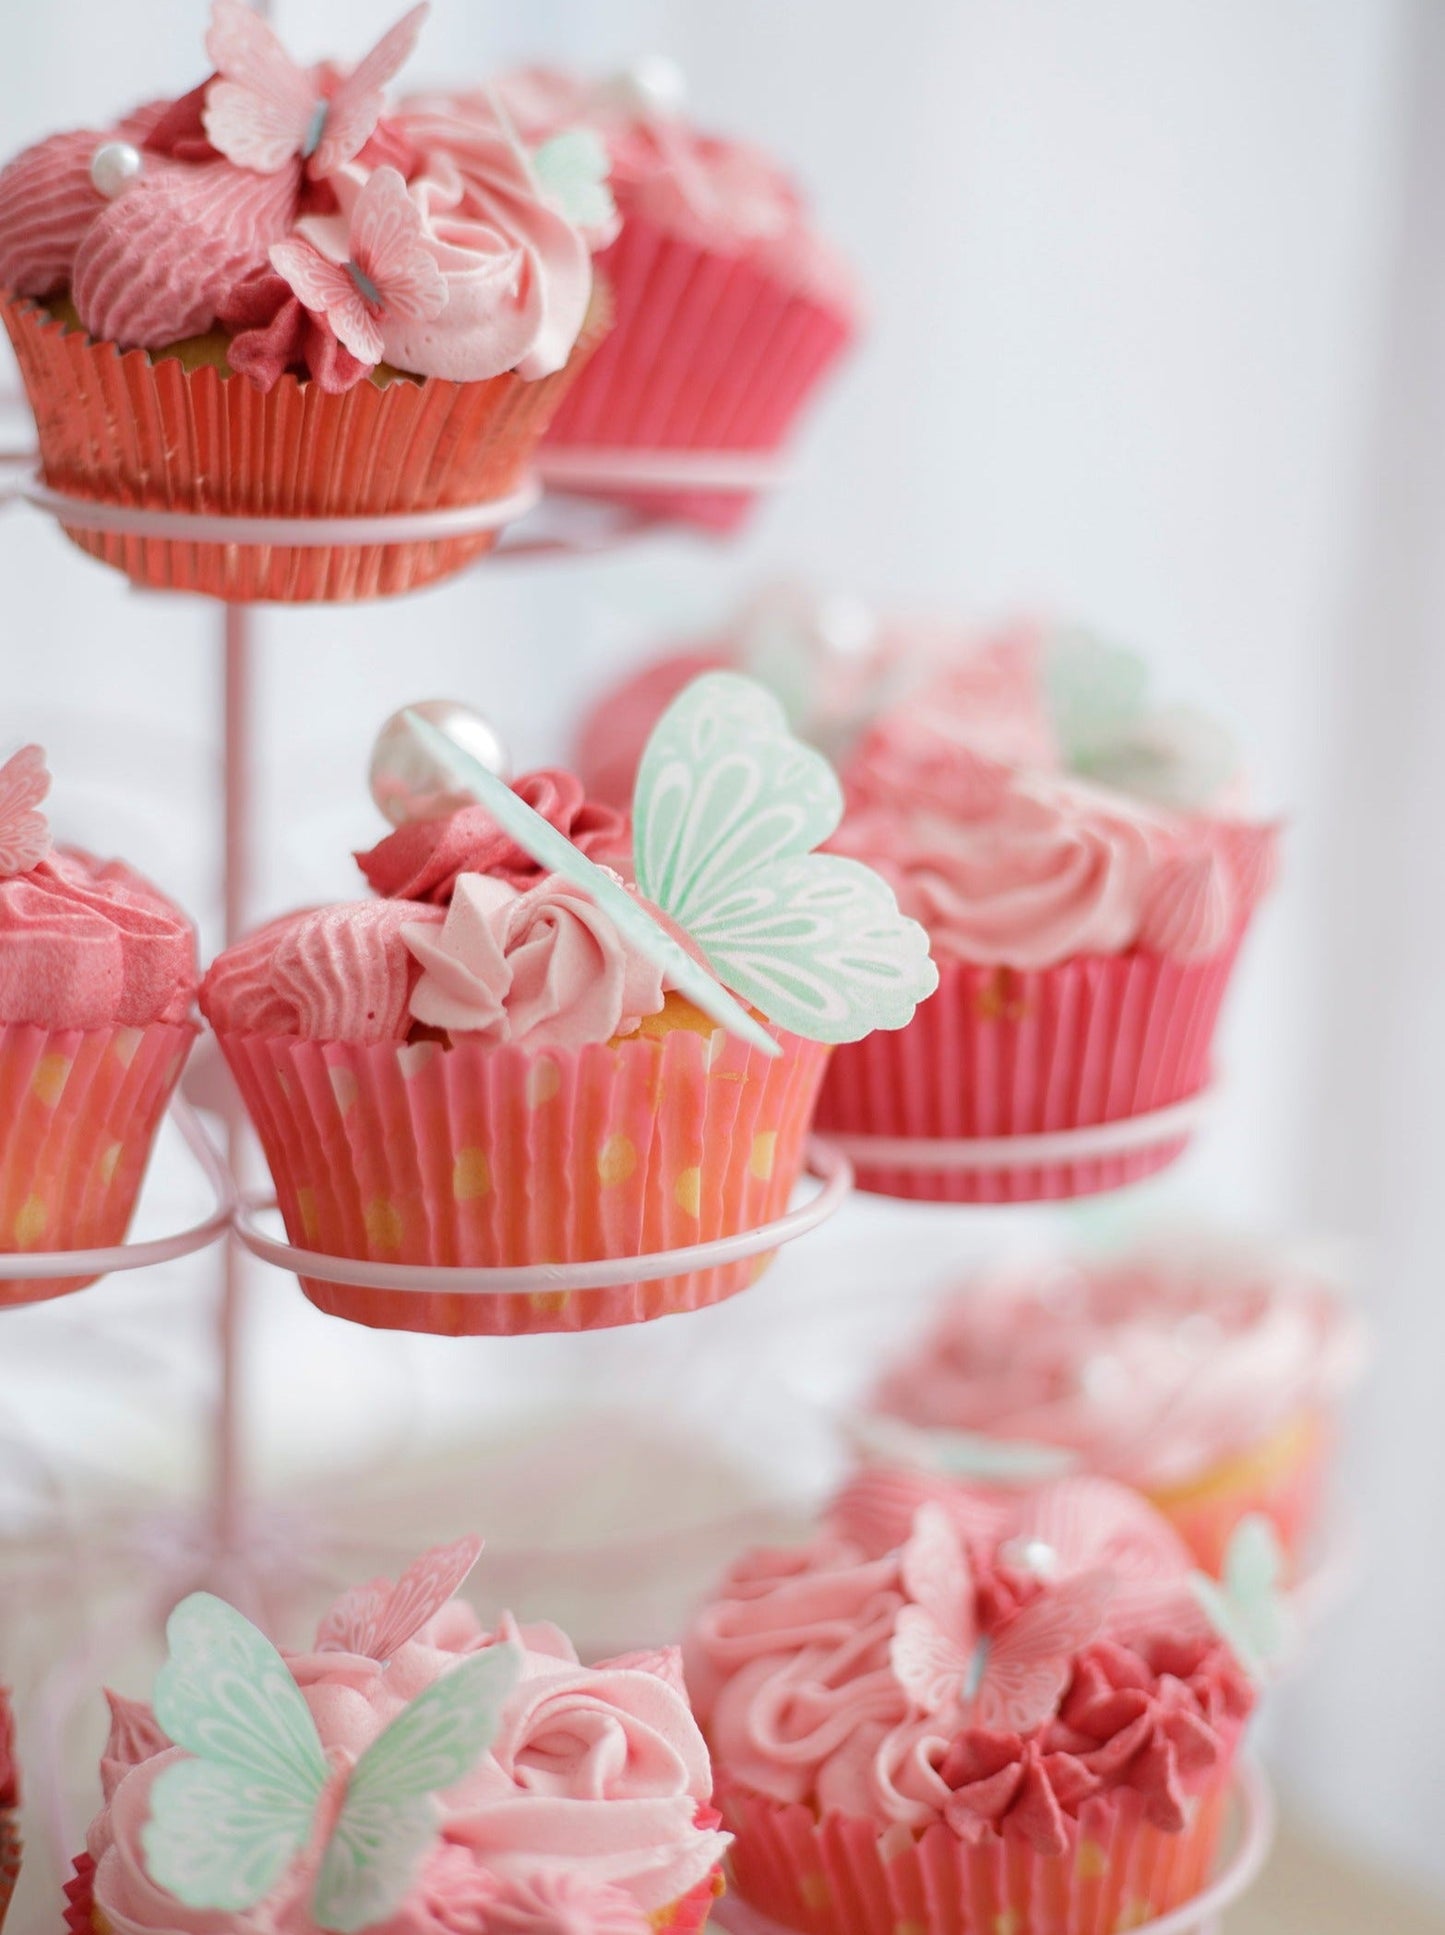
x=407, y=783
x=113, y=167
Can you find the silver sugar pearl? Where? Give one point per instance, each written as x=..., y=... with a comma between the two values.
x=408, y=784
x=653, y=85
x=113, y=167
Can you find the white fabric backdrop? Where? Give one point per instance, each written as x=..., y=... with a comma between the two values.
x=1157, y=342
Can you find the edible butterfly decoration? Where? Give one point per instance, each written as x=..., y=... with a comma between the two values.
x=573, y=168
x=378, y=1619
x=263, y=110
x=24, y=834
x=1246, y=1607
x=726, y=814
x=956, y=1454
x=1008, y=1681
x=227, y=1823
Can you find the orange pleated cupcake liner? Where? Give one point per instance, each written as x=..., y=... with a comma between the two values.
x=840, y=1875
x=79, y=1111
x=498, y=1157
x=708, y=352
x=1282, y=1477
x=1003, y=1051
x=122, y=427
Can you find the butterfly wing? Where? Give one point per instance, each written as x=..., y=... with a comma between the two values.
x=929, y=1666
x=1029, y=1662
x=355, y=107
x=377, y=1620
x=1248, y=1610
x=389, y=1815
x=327, y=289
x=723, y=790
x=573, y=168
x=225, y=1825
x=386, y=239
x=727, y=810
x=259, y=113
x=933, y=1637
x=24, y=835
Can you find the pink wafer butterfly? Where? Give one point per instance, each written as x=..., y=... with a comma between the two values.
x=388, y=274
x=24, y=833
x=264, y=111
x=1008, y=1681
x=378, y=1619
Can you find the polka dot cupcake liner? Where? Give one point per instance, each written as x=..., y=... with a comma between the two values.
x=1004, y=1051
x=79, y=1111
x=490, y=1157
x=1283, y=1476
x=840, y=1875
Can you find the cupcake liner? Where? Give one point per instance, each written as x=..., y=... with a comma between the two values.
x=1282, y=1477
x=689, y=1914
x=79, y=1913
x=79, y=1111
x=9, y=1859
x=497, y=1156
x=1003, y=1051
x=842, y=1876
x=120, y=427
x=708, y=352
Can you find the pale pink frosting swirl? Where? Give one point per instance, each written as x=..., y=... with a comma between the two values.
x=543, y=967
x=1152, y=1366
x=86, y=943
x=341, y=973
x=595, y=1782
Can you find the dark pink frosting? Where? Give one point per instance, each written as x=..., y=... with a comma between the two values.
x=9, y=1767
x=86, y=943
x=422, y=860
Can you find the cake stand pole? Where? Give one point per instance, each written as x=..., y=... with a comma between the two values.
x=227, y=1475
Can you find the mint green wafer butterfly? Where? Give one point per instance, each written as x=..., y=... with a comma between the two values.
x=1246, y=1607
x=726, y=814
x=225, y=1825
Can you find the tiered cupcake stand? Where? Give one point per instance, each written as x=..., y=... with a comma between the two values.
x=228, y=1548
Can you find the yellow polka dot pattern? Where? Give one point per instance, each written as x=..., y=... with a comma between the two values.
x=52, y=1072
x=30, y=1223
x=616, y=1161
x=1091, y=1863
x=764, y=1154
x=383, y=1224
x=109, y=1159
x=471, y=1175
x=687, y=1191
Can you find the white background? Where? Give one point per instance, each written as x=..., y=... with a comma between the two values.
x=1159, y=342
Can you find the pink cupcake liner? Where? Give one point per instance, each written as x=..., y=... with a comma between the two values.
x=689, y=1915
x=1283, y=1478
x=708, y=352
x=496, y=1156
x=79, y=1111
x=841, y=1876
x=122, y=427
x=1003, y=1051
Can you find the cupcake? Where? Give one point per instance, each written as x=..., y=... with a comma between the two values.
x=97, y=977
x=412, y=1771
x=273, y=298
x=730, y=307
x=832, y=662
x=975, y=1728
x=1206, y=1375
x=524, y=1051
x=1085, y=936
x=9, y=1806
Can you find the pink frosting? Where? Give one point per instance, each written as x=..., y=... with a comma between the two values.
x=544, y=968
x=424, y=859
x=720, y=194
x=341, y=973
x=9, y=1767
x=792, y=1670
x=612, y=736
x=1152, y=1366
x=86, y=943
x=592, y=1791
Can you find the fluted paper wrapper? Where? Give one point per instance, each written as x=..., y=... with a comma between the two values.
x=1003, y=1051
x=843, y=1876
x=708, y=352
x=9, y=1858
x=79, y=1111
x=120, y=427
x=498, y=1156
x=1282, y=1477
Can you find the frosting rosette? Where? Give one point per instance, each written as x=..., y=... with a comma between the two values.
x=1204, y=1372
x=956, y=1718
x=591, y=1798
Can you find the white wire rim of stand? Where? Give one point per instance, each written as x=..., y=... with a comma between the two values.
x=1254, y=1836
x=1130, y=1135
x=825, y=1163
x=160, y=1249
x=723, y=471
x=300, y=533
